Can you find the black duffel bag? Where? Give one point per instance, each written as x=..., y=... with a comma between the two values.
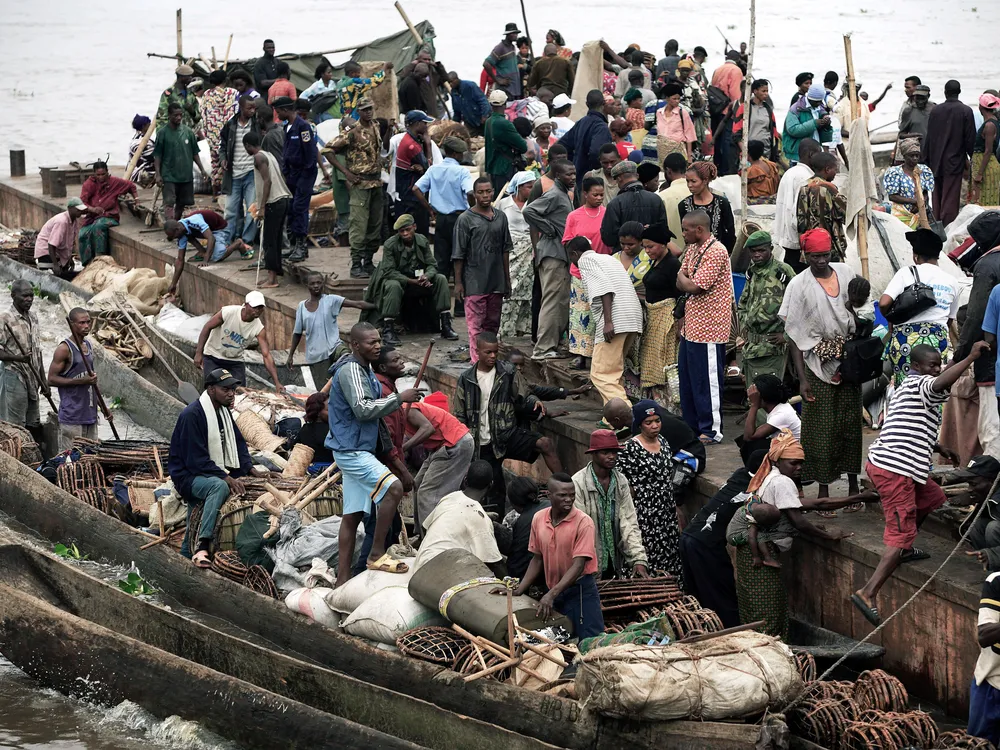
x=862, y=360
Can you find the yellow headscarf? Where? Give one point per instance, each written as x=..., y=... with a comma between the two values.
x=784, y=445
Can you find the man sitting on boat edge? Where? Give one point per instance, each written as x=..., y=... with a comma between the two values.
x=207, y=458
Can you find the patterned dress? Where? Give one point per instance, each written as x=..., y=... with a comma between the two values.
x=515, y=319
x=896, y=182
x=218, y=105
x=650, y=475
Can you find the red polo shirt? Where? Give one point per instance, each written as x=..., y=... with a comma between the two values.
x=447, y=429
x=558, y=545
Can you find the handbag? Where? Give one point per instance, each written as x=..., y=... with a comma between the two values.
x=913, y=300
x=862, y=360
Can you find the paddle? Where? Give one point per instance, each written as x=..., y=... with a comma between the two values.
x=38, y=378
x=187, y=392
x=100, y=396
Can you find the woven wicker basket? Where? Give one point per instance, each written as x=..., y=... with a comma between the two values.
x=229, y=525
x=229, y=565
x=84, y=474
x=432, y=643
x=298, y=461
x=257, y=432
x=259, y=580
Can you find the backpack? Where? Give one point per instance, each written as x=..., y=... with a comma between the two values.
x=718, y=100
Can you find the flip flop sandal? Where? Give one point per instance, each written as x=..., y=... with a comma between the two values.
x=854, y=508
x=388, y=565
x=870, y=612
x=247, y=255
x=199, y=258
x=826, y=513
x=911, y=555
x=200, y=559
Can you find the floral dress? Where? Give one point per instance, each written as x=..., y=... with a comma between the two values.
x=218, y=105
x=650, y=475
x=515, y=318
x=896, y=182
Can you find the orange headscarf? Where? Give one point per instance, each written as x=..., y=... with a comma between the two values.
x=783, y=446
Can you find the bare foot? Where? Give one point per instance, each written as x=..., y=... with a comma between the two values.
x=772, y=564
x=269, y=286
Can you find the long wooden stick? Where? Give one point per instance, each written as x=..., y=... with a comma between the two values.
x=918, y=194
x=852, y=92
x=100, y=396
x=215, y=61
x=180, y=45
x=139, y=149
x=43, y=387
x=744, y=151
x=229, y=45
x=524, y=15
x=423, y=367
x=720, y=633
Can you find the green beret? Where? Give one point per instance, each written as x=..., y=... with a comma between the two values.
x=404, y=221
x=757, y=239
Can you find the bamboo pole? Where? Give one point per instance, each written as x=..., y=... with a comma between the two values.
x=410, y=26
x=215, y=62
x=744, y=151
x=142, y=145
x=918, y=194
x=852, y=92
x=229, y=46
x=174, y=57
x=180, y=44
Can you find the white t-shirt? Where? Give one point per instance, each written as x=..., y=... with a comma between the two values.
x=783, y=417
x=945, y=292
x=781, y=492
x=486, y=380
x=458, y=522
x=561, y=126
x=230, y=339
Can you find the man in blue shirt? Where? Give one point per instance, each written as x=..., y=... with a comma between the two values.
x=469, y=104
x=197, y=229
x=450, y=188
x=299, y=168
x=583, y=141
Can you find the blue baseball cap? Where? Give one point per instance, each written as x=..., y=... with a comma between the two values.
x=417, y=115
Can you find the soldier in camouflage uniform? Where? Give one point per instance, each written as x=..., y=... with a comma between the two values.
x=765, y=350
x=180, y=94
x=821, y=206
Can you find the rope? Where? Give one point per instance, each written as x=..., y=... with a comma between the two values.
x=909, y=601
x=446, y=597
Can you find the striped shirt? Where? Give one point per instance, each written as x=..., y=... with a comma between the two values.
x=604, y=274
x=988, y=664
x=910, y=429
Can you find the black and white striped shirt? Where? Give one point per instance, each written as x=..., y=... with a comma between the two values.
x=910, y=429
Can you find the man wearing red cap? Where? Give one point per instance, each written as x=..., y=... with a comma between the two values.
x=603, y=493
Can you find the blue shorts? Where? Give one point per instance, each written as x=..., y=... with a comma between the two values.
x=365, y=480
x=221, y=238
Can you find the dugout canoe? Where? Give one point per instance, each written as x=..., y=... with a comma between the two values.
x=336, y=658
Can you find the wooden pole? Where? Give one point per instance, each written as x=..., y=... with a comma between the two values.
x=918, y=194
x=852, y=92
x=180, y=44
x=142, y=145
x=229, y=46
x=97, y=392
x=215, y=62
x=524, y=15
x=420, y=372
x=42, y=386
x=744, y=152
x=410, y=26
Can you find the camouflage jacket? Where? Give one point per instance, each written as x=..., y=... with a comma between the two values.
x=821, y=206
x=759, y=305
x=188, y=102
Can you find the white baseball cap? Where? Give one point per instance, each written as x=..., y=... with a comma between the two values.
x=255, y=299
x=561, y=101
x=498, y=96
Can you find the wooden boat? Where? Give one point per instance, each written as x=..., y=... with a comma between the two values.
x=827, y=646
x=304, y=661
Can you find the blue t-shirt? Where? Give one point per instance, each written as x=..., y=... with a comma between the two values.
x=194, y=221
x=320, y=327
x=991, y=321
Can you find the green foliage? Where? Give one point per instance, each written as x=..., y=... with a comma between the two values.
x=135, y=585
x=71, y=552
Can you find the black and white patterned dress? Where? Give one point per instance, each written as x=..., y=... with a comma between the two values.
x=650, y=476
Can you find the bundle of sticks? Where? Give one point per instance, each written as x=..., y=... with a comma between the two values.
x=622, y=599
x=120, y=338
x=127, y=455
x=275, y=501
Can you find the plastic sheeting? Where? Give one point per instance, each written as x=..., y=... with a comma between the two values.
x=299, y=544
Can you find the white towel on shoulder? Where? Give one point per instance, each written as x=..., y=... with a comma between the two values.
x=221, y=443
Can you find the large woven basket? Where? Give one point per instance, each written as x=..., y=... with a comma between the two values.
x=229, y=565
x=229, y=524
x=298, y=461
x=257, y=432
x=259, y=580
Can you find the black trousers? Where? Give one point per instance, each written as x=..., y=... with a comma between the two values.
x=274, y=228
x=444, y=241
x=708, y=576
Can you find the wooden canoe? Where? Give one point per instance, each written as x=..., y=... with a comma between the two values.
x=58, y=516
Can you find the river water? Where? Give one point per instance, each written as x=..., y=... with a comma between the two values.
x=74, y=75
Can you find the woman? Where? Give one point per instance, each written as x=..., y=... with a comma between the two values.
x=324, y=84
x=554, y=37
x=898, y=183
x=635, y=112
x=541, y=139
x=100, y=193
x=632, y=257
x=218, y=105
x=699, y=176
x=658, y=343
x=584, y=222
x=620, y=132
x=515, y=319
x=985, y=185
x=818, y=319
x=928, y=326
x=144, y=173
x=316, y=428
x=646, y=461
x=674, y=126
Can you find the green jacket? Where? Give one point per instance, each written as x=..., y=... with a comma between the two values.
x=398, y=263
x=800, y=125
x=503, y=144
x=188, y=102
x=759, y=305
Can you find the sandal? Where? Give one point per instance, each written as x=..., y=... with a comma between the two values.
x=388, y=565
x=199, y=258
x=200, y=559
x=706, y=440
x=870, y=612
x=826, y=513
x=910, y=555
x=854, y=508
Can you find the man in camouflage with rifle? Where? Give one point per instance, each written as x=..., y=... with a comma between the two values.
x=764, y=348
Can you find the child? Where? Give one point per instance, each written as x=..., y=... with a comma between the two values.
x=762, y=176
x=759, y=524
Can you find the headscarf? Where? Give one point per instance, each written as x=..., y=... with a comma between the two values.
x=757, y=239
x=815, y=241
x=632, y=93
x=706, y=170
x=405, y=220
x=558, y=37
x=642, y=410
x=521, y=178
x=609, y=99
x=783, y=446
x=657, y=233
x=541, y=120
x=140, y=122
x=909, y=146
x=685, y=64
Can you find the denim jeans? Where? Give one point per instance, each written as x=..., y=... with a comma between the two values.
x=212, y=492
x=241, y=196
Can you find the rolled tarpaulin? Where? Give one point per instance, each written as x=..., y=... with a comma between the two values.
x=457, y=584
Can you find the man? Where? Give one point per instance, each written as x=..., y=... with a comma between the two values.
x=180, y=95
x=406, y=274
x=583, y=141
x=21, y=355
x=265, y=70
x=501, y=64
x=561, y=107
x=237, y=168
x=273, y=199
x=899, y=462
x=984, y=718
x=982, y=321
x=227, y=334
x=411, y=88
x=458, y=521
x=208, y=233
x=503, y=144
x=362, y=147
x=487, y=399
x=56, y=239
x=707, y=278
x=633, y=203
x=300, y=164
x=563, y=545
x=910, y=84
x=637, y=60
x=546, y=218
x=552, y=72
x=445, y=192
x=616, y=311
x=469, y=104
x=603, y=493
x=726, y=79
x=762, y=331
x=635, y=82
x=208, y=455
x=786, y=223
x=413, y=157
x=481, y=254
x=433, y=76
x=674, y=172
x=355, y=410
x=916, y=112
x=175, y=151
x=608, y=157
x=666, y=67
x=72, y=372
x=951, y=136
x=821, y=206
x=272, y=134
x=353, y=88
x=984, y=536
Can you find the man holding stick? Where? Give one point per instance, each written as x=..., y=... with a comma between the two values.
x=21, y=355
x=72, y=372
